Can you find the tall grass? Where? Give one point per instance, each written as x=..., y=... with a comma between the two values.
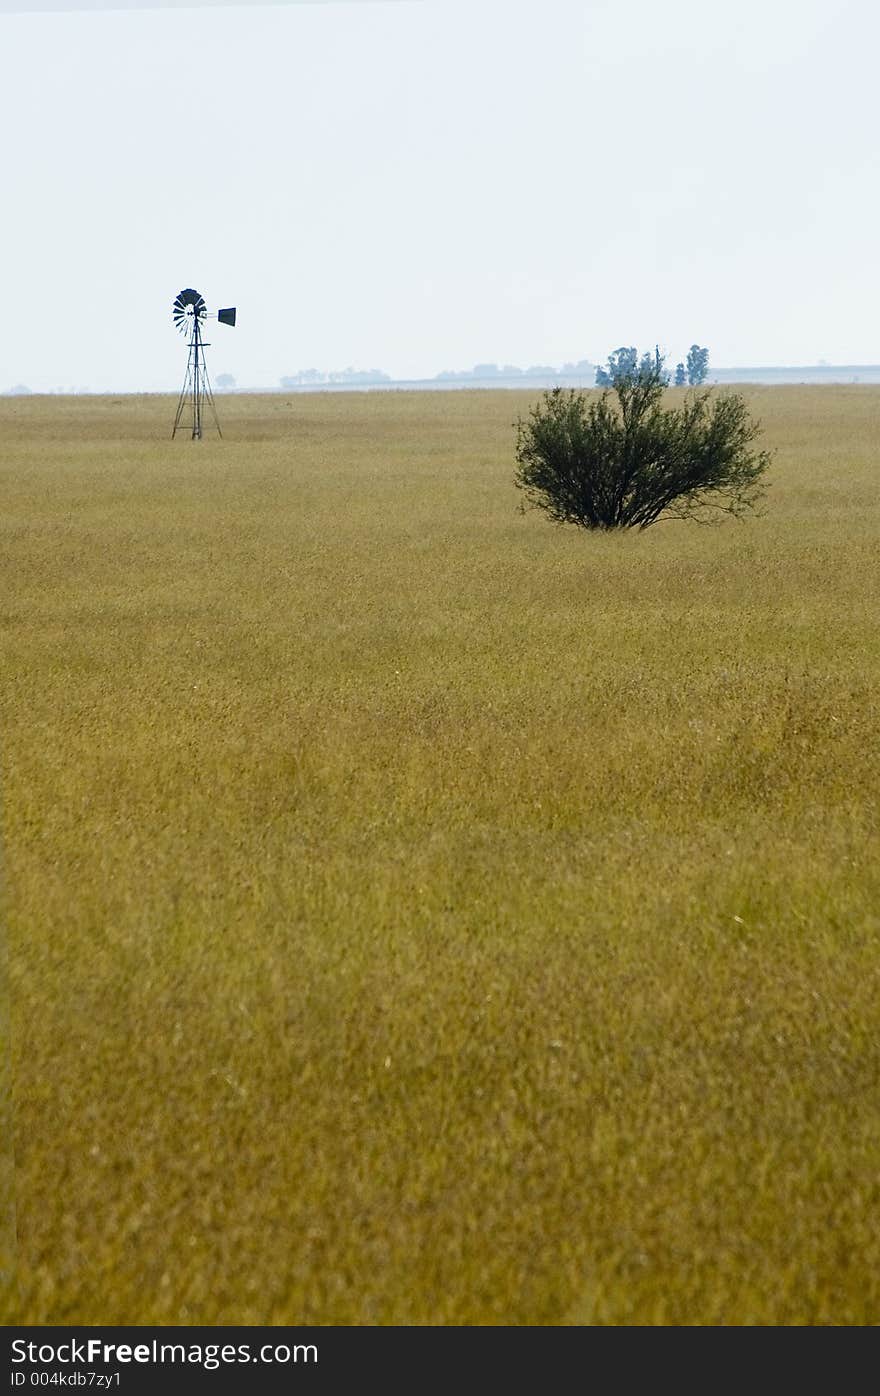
x=418, y=913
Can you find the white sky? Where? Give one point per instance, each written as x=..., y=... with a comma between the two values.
x=420, y=186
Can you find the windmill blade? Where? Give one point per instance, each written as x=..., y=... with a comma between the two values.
x=188, y=305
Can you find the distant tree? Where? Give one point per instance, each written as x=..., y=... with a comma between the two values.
x=697, y=365
x=625, y=364
x=622, y=361
x=225, y=381
x=605, y=465
x=680, y=375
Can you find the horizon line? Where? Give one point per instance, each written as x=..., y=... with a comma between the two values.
x=437, y=384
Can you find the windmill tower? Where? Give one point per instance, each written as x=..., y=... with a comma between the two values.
x=190, y=313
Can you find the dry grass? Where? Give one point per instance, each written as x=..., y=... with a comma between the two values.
x=421, y=914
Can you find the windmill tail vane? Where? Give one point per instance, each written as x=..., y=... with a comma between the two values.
x=190, y=313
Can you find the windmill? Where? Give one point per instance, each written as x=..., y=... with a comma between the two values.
x=190, y=313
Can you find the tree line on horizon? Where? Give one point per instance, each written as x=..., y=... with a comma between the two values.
x=692, y=372
x=624, y=362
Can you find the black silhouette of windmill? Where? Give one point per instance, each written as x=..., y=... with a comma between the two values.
x=190, y=314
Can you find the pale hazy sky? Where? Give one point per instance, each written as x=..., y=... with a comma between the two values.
x=427, y=185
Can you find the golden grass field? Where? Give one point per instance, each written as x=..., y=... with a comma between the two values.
x=421, y=914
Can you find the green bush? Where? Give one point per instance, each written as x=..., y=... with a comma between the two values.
x=625, y=461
